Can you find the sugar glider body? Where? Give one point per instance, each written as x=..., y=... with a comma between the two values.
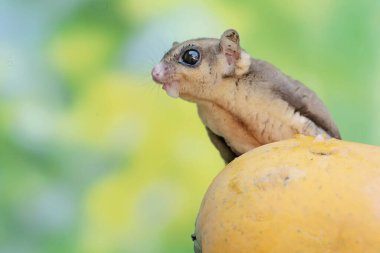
x=243, y=102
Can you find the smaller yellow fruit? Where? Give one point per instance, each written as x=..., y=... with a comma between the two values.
x=300, y=195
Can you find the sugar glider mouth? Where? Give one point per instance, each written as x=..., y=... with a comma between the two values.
x=171, y=89
x=159, y=75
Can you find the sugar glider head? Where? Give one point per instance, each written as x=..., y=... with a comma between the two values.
x=192, y=69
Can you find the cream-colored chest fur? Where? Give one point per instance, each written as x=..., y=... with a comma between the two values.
x=247, y=117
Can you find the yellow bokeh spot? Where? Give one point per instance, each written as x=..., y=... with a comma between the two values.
x=80, y=50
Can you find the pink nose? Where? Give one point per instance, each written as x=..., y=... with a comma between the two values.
x=156, y=74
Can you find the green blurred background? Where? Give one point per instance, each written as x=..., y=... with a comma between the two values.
x=95, y=157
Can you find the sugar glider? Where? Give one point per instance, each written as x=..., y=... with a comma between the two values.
x=243, y=102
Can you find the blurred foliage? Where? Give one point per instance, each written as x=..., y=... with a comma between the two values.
x=94, y=157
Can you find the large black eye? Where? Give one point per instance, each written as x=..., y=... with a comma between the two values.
x=190, y=57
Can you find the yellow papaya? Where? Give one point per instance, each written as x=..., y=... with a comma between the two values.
x=306, y=194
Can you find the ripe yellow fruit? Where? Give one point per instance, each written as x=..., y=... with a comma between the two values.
x=300, y=195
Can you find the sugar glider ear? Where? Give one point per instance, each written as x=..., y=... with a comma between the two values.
x=238, y=61
x=230, y=45
x=175, y=43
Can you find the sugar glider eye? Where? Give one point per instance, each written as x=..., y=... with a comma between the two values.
x=190, y=57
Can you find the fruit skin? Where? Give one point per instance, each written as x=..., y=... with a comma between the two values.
x=300, y=195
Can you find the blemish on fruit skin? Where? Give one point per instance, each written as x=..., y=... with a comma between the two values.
x=286, y=180
x=235, y=186
x=273, y=177
x=323, y=149
x=320, y=153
